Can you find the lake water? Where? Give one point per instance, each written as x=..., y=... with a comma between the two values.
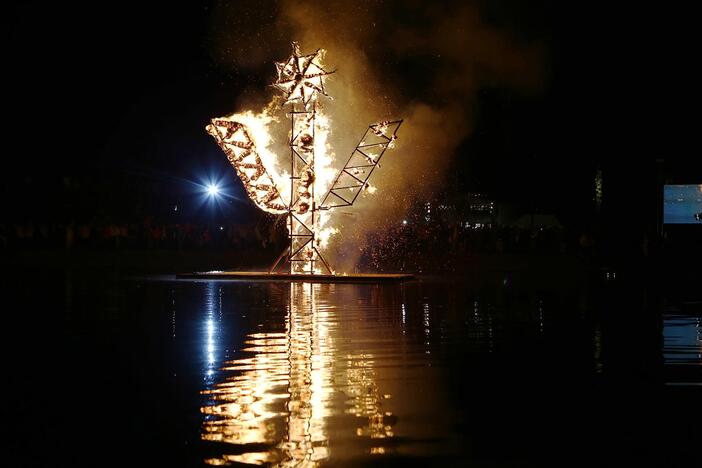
x=150, y=371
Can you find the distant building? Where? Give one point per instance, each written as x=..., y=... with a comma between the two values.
x=481, y=211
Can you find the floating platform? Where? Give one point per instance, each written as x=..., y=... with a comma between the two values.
x=265, y=276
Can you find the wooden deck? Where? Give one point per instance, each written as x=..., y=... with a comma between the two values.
x=265, y=276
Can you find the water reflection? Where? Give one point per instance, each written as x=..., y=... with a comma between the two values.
x=423, y=374
x=366, y=399
x=213, y=318
x=683, y=339
x=274, y=404
x=682, y=344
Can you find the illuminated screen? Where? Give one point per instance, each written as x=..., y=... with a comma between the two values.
x=682, y=204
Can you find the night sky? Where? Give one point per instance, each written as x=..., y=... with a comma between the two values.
x=111, y=102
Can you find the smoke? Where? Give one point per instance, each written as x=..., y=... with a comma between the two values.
x=419, y=61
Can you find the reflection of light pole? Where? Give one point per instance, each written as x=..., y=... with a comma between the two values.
x=210, y=305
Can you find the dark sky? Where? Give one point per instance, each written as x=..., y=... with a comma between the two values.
x=115, y=99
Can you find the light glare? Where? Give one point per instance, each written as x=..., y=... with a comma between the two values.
x=212, y=190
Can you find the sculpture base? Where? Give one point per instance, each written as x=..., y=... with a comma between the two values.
x=265, y=276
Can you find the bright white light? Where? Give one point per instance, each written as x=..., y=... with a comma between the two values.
x=212, y=190
x=404, y=221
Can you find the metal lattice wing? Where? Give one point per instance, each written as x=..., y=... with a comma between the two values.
x=354, y=176
x=236, y=143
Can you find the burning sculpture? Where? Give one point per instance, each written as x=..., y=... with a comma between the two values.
x=308, y=187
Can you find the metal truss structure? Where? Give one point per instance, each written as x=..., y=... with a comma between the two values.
x=353, y=178
x=240, y=150
x=301, y=80
x=302, y=254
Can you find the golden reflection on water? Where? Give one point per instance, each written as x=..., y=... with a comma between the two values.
x=366, y=399
x=274, y=405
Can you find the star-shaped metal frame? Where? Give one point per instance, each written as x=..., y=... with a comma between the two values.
x=301, y=77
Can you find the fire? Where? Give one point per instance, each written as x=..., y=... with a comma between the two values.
x=246, y=140
x=301, y=77
x=300, y=186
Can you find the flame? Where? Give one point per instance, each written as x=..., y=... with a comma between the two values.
x=301, y=77
x=246, y=138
